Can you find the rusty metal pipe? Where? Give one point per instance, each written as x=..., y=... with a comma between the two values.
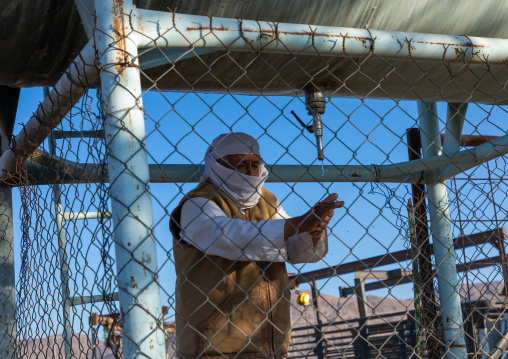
x=124, y=129
x=65, y=94
x=173, y=30
x=473, y=140
x=414, y=171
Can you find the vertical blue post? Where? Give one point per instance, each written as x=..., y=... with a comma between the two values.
x=64, y=265
x=7, y=283
x=136, y=259
x=62, y=256
x=442, y=236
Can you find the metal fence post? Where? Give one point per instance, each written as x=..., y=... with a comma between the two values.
x=361, y=298
x=318, y=329
x=442, y=235
x=62, y=256
x=363, y=323
x=135, y=248
x=431, y=343
x=7, y=282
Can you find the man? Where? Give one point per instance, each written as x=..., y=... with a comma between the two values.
x=231, y=241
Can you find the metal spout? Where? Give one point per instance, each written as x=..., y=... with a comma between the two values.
x=318, y=133
x=315, y=102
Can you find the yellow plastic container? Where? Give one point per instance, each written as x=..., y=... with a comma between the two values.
x=303, y=299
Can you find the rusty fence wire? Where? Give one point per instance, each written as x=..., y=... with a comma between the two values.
x=99, y=195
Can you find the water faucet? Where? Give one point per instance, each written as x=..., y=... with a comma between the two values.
x=315, y=102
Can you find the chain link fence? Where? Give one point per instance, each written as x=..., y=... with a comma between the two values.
x=413, y=265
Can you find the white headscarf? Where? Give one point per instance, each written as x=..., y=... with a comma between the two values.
x=244, y=190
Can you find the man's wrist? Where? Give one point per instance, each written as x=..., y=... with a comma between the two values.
x=316, y=237
x=291, y=227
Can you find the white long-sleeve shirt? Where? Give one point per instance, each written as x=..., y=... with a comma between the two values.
x=206, y=226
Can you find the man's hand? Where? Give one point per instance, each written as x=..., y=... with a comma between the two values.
x=315, y=220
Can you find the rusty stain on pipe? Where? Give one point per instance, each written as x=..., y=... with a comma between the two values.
x=473, y=140
x=277, y=32
x=317, y=34
x=120, y=37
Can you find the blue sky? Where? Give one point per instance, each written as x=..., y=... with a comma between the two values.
x=179, y=128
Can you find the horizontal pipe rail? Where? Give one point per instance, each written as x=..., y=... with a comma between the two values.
x=74, y=216
x=77, y=134
x=183, y=173
x=379, y=274
x=407, y=278
x=415, y=171
x=350, y=322
x=87, y=299
x=173, y=30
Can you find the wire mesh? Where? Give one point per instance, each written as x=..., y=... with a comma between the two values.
x=232, y=294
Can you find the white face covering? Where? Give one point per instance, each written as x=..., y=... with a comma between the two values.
x=244, y=190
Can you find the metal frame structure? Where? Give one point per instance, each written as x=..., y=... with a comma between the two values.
x=364, y=269
x=67, y=299
x=122, y=30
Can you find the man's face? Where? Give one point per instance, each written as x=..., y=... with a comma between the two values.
x=245, y=164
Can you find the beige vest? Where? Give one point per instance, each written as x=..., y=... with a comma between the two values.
x=228, y=308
